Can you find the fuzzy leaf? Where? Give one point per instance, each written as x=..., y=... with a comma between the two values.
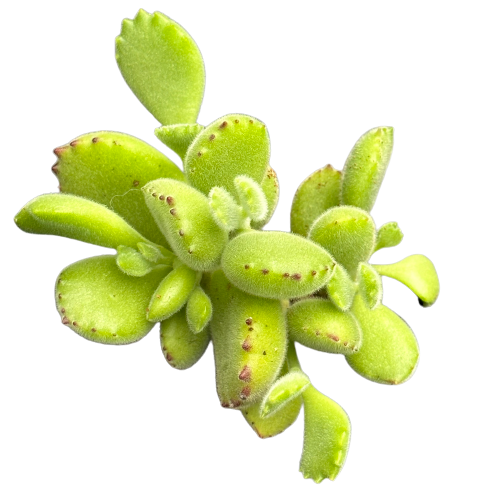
x=163, y=66
x=181, y=348
x=155, y=254
x=249, y=338
x=327, y=433
x=271, y=188
x=76, y=218
x=319, y=192
x=276, y=265
x=172, y=293
x=99, y=302
x=132, y=262
x=230, y=146
x=348, y=233
x=341, y=289
x=370, y=285
x=226, y=212
x=365, y=167
x=251, y=197
x=389, y=353
x=318, y=324
x=418, y=273
x=198, y=310
x=389, y=235
x=110, y=168
x=178, y=137
x=183, y=214
x=285, y=390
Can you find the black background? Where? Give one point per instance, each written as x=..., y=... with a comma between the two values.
x=317, y=92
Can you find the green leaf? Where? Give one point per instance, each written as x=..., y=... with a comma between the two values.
x=389, y=235
x=276, y=265
x=230, y=146
x=225, y=211
x=389, y=353
x=163, y=66
x=365, y=167
x=184, y=216
x=181, y=348
x=155, y=253
x=327, y=433
x=319, y=192
x=198, y=310
x=172, y=293
x=285, y=390
x=251, y=197
x=418, y=273
x=318, y=324
x=110, y=168
x=132, y=262
x=348, y=233
x=249, y=339
x=370, y=285
x=271, y=188
x=178, y=137
x=76, y=218
x=99, y=302
x=341, y=289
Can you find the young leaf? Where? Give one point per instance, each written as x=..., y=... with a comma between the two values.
x=172, y=293
x=389, y=353
x=341, y=289
x=230, y=146
x=318, y=324
x=181, y=348
x=110, y=168
x=184, y=216
x=249, y=339
x=327, y=432
x=101, y=303
x=132, y=262
x=251, y=197
x=370, y=285
x=348, y=233
x=155, y=254
x=163, y=66
x=226, y=212
x=418, y=273
x=76, y=218
x=365, y=167
x=276, y=265
x=198, y=310
x=389, y=235
x=271, y=188
x=178, y=137
x=319, y=192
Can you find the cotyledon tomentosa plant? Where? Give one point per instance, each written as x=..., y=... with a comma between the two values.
x=191, y=255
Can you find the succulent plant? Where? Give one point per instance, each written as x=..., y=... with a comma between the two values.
x=191, y=253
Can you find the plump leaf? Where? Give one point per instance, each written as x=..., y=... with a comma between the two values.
x=327, y=433
x=285, y=390
x=389, y=353
x=365, y=167
x=389, y=235
x=132, y=262
x=178, y=137
x=276, y=265
x=249, y=338
x=163, y=66
x=370, y=285
x=76, y=218
x=99, y=302
x=341, y=288
x=319, y=192
x=251, y=197
x=230, y=146
x=110, y=168
x=154, y=253
x=225, y=211
x=198, y=310
x=348, y=233
x=271, y=188
x=318, y=324
x=418, y=273
x=181, y=348
x=172, y=293
x=184, y=216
